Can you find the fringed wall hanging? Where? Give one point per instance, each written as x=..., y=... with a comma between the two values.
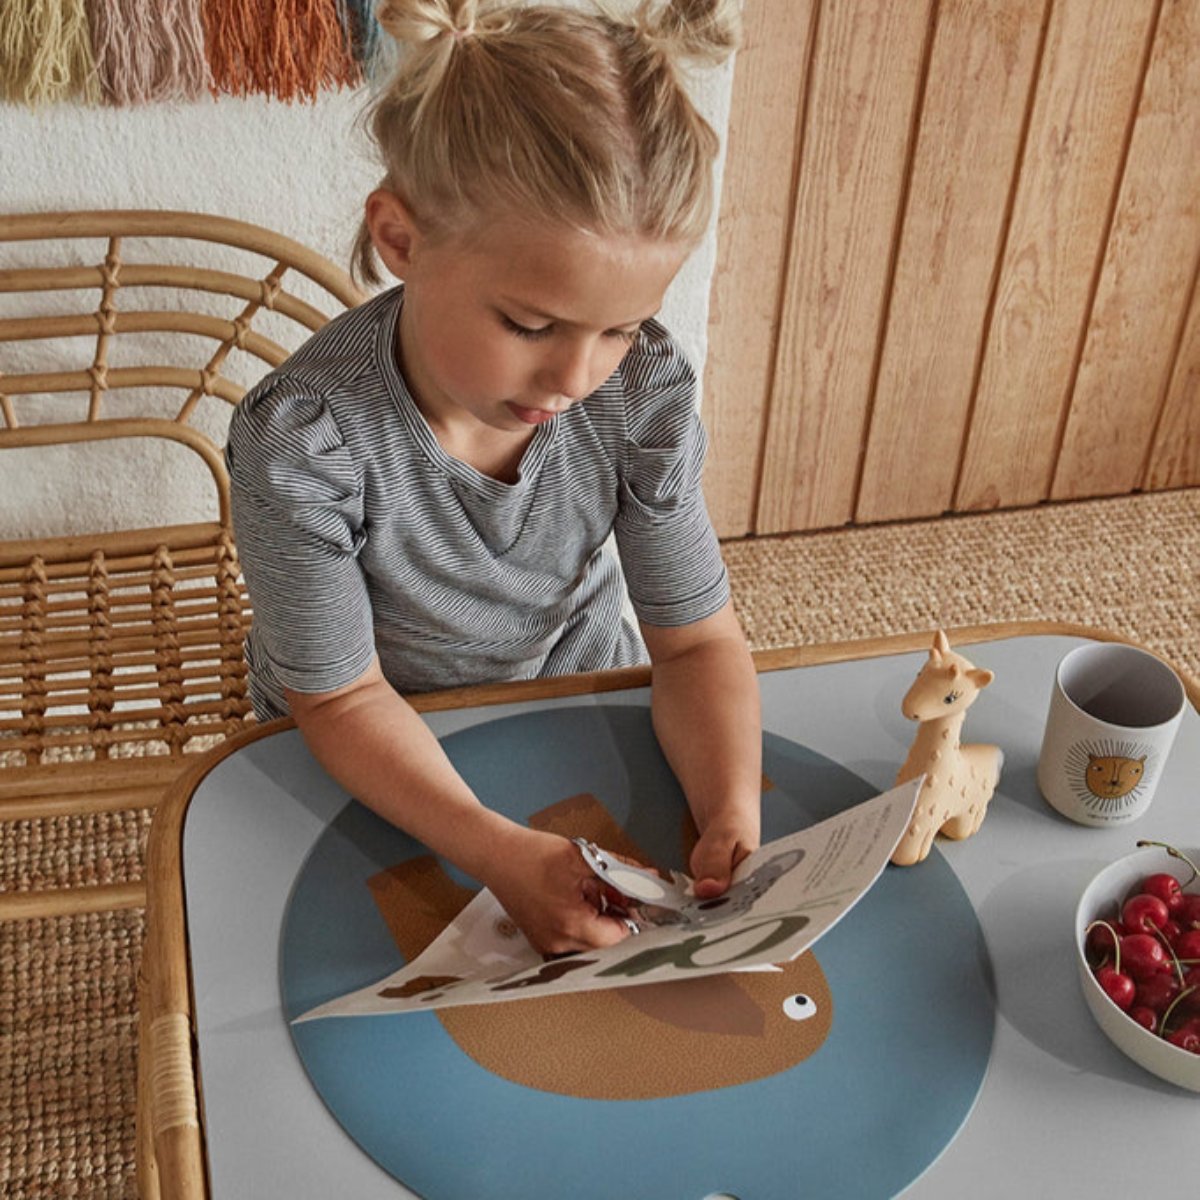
x=124, y=52
x=46, y=52
x=147, y=51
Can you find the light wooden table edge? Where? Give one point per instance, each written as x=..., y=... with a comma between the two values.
x=170, y=1133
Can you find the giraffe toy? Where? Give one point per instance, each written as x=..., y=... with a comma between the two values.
x=959, y=780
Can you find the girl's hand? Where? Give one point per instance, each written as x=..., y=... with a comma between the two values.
x=721, y=847
x=543, y=883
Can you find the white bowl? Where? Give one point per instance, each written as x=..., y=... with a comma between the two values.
x=1101, y=899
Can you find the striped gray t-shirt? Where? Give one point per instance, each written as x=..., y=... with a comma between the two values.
x=359, y=534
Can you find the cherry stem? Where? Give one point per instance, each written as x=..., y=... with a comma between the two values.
x=1162, y=1025
x=1115, y=938
x=1176, y=854
x=1166, y=941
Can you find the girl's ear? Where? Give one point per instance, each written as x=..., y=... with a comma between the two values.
x=393, y=230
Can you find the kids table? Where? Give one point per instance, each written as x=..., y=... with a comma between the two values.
x=226, y=1108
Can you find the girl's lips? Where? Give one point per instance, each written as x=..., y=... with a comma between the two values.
x=531, y=416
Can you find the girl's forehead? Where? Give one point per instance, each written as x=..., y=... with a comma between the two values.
x=574, y=275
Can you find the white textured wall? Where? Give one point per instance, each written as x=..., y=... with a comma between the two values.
x=303, y=170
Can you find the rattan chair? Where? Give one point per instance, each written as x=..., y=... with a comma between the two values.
x=121, y=650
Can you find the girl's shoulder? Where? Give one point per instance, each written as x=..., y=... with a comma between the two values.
x=658, y=383
x=655, y=353
x=349, y=344
x=338, y=361
x=303, y=403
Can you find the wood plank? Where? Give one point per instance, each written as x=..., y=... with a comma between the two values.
x=19, y=785
x=1087, y=94
x=752, y=233
x=976, y=102
x=1175, y=455
x=63, y=902
x=865, y=77
x=1145, y=284
x=76, y=804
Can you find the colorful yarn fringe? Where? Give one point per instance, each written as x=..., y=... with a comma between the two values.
x=358, y=16
x=126, y=52
x=149, y=50
x=45, y=51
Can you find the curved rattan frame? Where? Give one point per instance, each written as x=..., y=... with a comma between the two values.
x=111, y=641
x=108, y=320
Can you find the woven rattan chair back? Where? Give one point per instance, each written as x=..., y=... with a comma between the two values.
x=128, y=643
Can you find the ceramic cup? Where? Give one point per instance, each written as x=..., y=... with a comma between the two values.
x=1113, y=715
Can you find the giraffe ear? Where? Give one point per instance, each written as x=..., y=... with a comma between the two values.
x=940, y=649
x=980, y=677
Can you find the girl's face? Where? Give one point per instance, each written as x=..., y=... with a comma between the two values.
x=503, y=330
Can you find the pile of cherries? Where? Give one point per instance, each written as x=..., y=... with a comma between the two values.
x=1147, y=959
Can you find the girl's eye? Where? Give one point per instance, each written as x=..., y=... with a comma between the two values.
x=523, y=331
x=628, y=336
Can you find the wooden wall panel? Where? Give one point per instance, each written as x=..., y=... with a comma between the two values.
x=1090, y=78
x=752, y=244
x=977, y=98
x=1145, y=284
x=866, y=70
x=1175, y=456
x=958, y=259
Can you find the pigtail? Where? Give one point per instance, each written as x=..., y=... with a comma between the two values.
x=413, y=22
x=704, y=31
x=677, y=146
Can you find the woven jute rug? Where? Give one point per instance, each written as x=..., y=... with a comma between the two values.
x=68, y=984
x=1129, y=565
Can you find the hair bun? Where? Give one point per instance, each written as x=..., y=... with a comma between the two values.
x=705, y=30
x=412, y=22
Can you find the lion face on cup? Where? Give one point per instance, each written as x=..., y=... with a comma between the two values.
x=1109, y=776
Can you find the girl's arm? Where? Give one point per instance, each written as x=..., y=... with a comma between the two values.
x=377, y=747
x=707, y=716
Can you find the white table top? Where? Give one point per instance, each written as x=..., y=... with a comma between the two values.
x=1061, y=1111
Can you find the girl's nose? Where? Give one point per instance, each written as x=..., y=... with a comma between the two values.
x=568, y=373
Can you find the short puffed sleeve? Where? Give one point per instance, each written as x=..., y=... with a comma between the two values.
x=669, y=551
x=297, y=496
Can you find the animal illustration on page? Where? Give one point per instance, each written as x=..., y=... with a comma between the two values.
x=639, y=1042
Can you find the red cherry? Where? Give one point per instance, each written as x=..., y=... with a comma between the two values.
x=1146, y=1017
x=1188, y=912
x=1142, y=955
x=1187, y=1038
x=1143, y=913
x=1189, y=997
x=1100, y=942
x=1166, y=888
x=1118, y=986
x=1187, y=944
x=1157, y=992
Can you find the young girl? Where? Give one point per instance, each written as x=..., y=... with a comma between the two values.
x=422, y=492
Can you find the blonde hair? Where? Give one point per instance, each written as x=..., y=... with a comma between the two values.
x=575, y=118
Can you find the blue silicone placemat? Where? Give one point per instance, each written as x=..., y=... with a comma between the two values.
x=862, y=1116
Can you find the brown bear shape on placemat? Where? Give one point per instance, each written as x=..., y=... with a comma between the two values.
x=624, y=1043
x=959, y=780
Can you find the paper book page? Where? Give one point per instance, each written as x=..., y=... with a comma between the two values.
x=783, y=897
